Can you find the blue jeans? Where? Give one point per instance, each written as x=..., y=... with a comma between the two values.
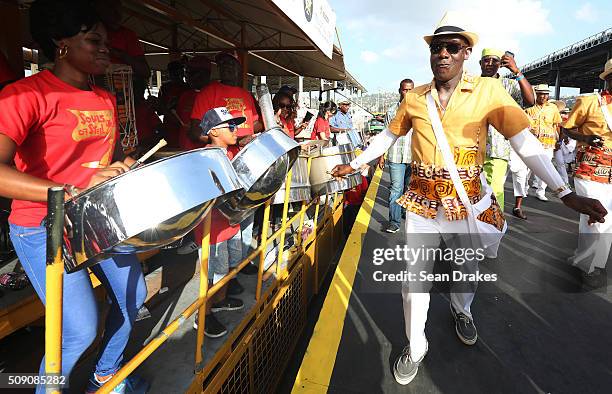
x=222, y=256
x=122, y=277
x=400, y=178
x=246, y=232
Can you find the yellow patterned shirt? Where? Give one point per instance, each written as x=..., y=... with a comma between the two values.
x=545, y=120
x=475, y=103
x=588, y=118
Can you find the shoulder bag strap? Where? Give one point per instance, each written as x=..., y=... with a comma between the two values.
x=444, y=148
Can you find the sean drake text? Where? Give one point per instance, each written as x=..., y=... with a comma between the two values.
x=425, y=276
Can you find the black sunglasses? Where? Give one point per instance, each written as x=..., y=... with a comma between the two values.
x=283, y=106
x=451, y=47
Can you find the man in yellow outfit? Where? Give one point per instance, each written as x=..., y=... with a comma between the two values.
x=434, y=211
x=544, y=125
x=588, y=125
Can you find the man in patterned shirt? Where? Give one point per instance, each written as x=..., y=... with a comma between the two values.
x=434, y=211
x=498, y=147
x=398, y=158
x=545, y=119
x=589, y=126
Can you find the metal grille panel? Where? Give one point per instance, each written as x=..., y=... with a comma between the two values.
x=264, y=358
x=238, y=381
x=273, y=343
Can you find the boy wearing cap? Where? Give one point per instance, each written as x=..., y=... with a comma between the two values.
x=434, y=211
x=225, y=241
x=590, y=123
x=228, y=93
x=498, y=147
x=544, y=125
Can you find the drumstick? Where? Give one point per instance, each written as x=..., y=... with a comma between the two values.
x=150, y=153
x=176, y=115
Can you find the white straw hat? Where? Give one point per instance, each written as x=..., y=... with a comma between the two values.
x=451, y=25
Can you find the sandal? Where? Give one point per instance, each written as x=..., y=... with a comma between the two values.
x=14, y=280
x=518, y=212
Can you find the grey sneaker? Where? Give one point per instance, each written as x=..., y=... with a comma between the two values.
x=465, y=328
x=595, y=279
x=392, y=228
x=405, y=368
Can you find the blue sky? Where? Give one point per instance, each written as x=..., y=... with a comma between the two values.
x=382, y=40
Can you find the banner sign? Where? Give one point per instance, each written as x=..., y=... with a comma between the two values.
x=316, y=18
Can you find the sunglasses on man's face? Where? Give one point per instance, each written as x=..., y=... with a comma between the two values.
x=283, y=106
x=452, y=48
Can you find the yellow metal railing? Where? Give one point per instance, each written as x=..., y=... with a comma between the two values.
x=55, y=270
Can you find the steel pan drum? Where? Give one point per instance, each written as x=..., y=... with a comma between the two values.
x=352, y=137
x=356, y=138
x=163, y=153
x=322, y=164
x=146, y=208
x=300, y=184
x=262, y=166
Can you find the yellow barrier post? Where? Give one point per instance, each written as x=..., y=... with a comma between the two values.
x=281, y=242
x=203, y=291
x=326, y=208
x=263, y=247
x=54, y=285
x=303, y=210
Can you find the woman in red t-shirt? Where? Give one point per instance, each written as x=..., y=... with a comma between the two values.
x=61, y=131
x=321, y=129
x=286, y=112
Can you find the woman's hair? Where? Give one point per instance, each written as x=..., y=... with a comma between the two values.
x=57, y=19
x=326, y=106
x=277, y=98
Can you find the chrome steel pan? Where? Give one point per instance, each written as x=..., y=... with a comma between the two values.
x=163, y=153
x=352, y=137
x=322, y=164
x=300, y=184
x=148, y=207
x=261, y=166
x=341, y=139
x=356, y=138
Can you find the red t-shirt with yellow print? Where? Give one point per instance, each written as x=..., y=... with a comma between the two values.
x=237, y=100
x=62, y=134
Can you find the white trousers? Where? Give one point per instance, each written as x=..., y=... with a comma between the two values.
x=593, y=241
x=559, y=162
x=427, y=233
x=521, y=175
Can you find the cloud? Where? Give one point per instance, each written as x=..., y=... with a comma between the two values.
x=394, y=34
x=369, y=56
x=586, y=13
